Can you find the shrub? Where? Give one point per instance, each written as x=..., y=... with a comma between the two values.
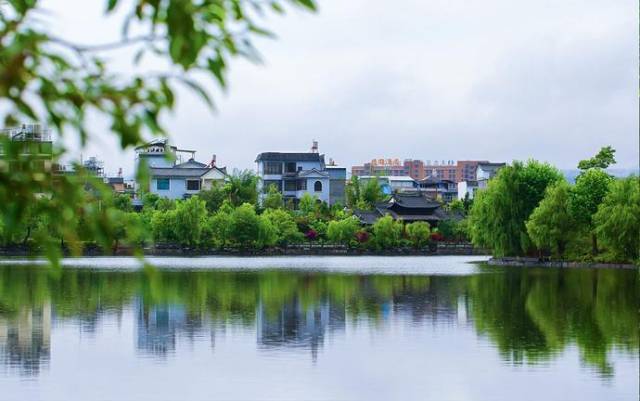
x=285, y=226
x=387, y=232
x=244, y=225
x=419, y=233
x=343, y=231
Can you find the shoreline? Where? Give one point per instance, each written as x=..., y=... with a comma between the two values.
x=300, y=250
x=535, y=262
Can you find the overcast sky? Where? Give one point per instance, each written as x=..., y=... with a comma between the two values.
x=501, y=80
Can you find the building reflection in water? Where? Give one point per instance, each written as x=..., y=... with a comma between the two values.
x=159, y=326
x=25, y=339
x=296, y=325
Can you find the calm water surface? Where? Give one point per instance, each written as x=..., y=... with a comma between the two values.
x=326, y=328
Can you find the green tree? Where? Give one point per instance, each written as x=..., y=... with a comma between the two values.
x=190, y=218
x=497, y=218
x=590, y=190
x=371, y=193
x=123, y=202
x=456, y=206
x=343, y=231
x=285, y=226
x=244, y=225
x=162, y=224
x=273, y=198
x=308, y=204
x=419, y=233
x=617, y=221
x=551, y=225
x=165, y=204
x=149, y=200
x=352, y=192
x=213, y=197
x=219, y=225
x=387, y=232
x=242, y=187
x=47, y=78
x=602, y=160
x=267, y=233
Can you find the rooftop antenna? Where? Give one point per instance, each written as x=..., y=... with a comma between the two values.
x=314, y=146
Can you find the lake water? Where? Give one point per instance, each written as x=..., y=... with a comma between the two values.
x=316, y=328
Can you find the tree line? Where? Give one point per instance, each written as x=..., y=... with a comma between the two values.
x=228, y=216
x=531, y=209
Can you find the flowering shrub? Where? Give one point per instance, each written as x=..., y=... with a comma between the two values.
x=362, y=236
x=311, y=235
x=436, y=236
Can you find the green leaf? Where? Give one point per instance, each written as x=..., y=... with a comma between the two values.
x=111, y=4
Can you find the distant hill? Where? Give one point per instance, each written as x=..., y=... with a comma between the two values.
x=571, y=174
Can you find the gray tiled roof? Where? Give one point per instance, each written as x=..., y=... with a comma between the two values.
x=414, y=200
x=190, y=164
x=290, y=157
x=177, y=172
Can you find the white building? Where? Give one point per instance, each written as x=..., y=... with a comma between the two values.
x=486, y=171
x=392, y=183
x=171, y=178
x=470, y=188
x=297, y=173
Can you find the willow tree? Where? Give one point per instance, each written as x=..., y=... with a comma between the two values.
x=551, y=224
x=58, y=81
x=617, y=220
x=497, y=218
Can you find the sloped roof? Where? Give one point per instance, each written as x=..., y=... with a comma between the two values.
x=190, y=164
x=367, y=216
x=154, y=142
x=413, y=200
x=312, y=172
x=177, y=172
x=290, y=157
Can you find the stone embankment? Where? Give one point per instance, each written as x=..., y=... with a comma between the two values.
x=311, y=249
x=537, y=262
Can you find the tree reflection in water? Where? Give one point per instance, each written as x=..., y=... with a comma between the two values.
x=530, y=315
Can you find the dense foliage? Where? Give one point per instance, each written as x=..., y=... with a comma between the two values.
x=499, y=213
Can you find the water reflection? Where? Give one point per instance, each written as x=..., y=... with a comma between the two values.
x=25, y=338
x=530, y=316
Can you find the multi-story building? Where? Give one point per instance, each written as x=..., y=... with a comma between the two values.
x=415, y=169
x=380, y=167
x=297, y=173
x=486, y=171
x=337, y=183
x=435, y=188
x=172, y=178
x=390, y=184
x=483, y=173
x=467, y=169
x=29, y=147
x=443, y=170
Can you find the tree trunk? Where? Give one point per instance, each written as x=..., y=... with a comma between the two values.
x=594, y=244
x=26, y=237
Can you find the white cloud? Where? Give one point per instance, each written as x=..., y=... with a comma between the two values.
x=444, y=79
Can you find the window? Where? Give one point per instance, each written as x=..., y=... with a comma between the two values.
x=290, y=185
x=267, y=183
x=162, y=184
x=272, y=168
x=291, y=167
x=193, y=185
x=317, y=186
x=301, y=185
